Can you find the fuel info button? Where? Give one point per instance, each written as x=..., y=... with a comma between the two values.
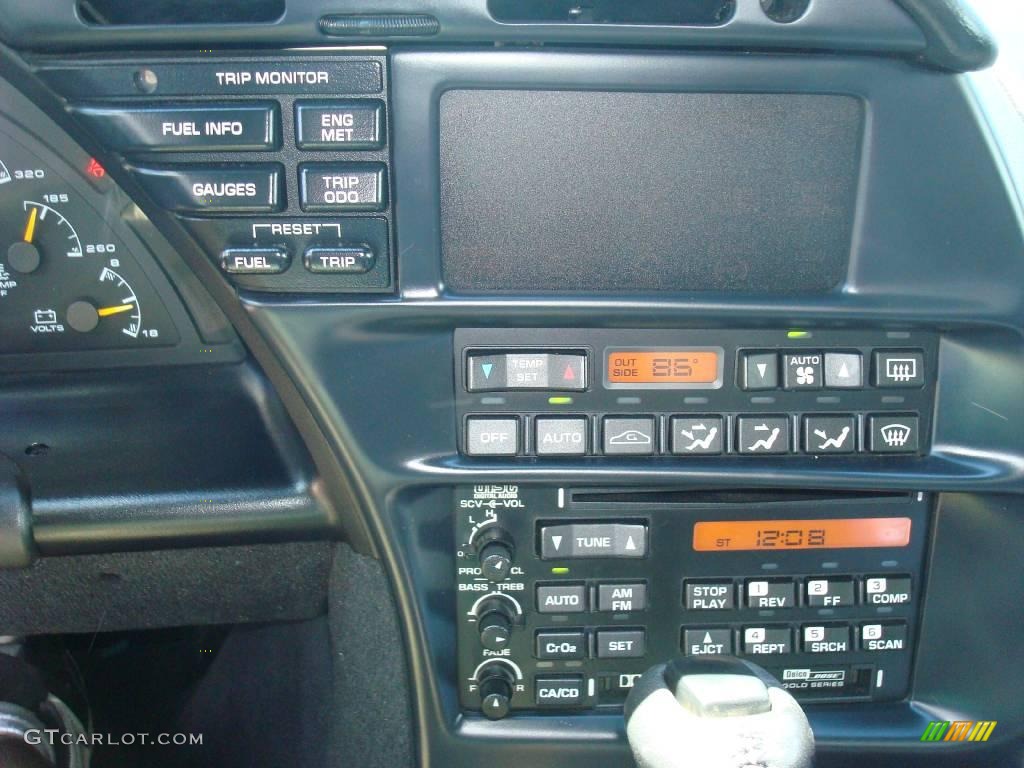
x=339, y=260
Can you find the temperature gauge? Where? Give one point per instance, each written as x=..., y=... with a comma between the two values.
x=67, y=282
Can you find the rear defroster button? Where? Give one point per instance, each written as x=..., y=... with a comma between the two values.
x=340, y=260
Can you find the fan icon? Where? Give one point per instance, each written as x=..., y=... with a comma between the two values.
x=805, y=375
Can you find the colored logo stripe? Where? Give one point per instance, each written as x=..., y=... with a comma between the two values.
x=960, y=730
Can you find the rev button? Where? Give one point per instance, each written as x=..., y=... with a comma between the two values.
x=254, y=261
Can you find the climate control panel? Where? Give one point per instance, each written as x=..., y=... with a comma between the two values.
x=571, y=393
x=565, y=596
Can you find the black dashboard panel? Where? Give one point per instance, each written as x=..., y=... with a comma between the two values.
x=664, y=191
x=812, y=331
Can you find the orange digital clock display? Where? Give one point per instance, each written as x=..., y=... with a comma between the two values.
x=667, y=367
x=852, y=533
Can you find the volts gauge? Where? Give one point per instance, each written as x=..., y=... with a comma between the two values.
x=67, y=282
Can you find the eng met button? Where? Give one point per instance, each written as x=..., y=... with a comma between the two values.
x=339, y=125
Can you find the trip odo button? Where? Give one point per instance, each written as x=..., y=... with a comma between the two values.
x=342, y=186
x=252, y=188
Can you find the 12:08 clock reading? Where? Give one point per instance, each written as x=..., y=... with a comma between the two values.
x=850, y=533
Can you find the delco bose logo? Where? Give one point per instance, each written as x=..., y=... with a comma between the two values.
x=959, y=730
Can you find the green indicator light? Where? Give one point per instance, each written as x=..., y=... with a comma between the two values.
x=559, y=571
x=798, y=334
x=560, y=401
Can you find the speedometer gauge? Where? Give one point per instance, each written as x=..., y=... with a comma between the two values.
x=67, y=282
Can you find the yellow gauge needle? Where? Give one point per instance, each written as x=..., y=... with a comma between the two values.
x=107, y=311
x=30, y=226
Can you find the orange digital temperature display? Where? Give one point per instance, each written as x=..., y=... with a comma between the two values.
x=667, y=367
x=853, y=533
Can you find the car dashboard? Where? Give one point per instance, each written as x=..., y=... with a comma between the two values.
x=528, y=345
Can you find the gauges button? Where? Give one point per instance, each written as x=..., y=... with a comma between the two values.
x=254, y=261
x=252, y=188
x=184, y=128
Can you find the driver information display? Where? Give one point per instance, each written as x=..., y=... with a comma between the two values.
x=665, y=367
x=852, y=533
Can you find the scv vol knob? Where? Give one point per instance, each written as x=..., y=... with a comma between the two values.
x=496, y=558
x=496, y=690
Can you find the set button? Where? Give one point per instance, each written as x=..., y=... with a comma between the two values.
x=621, y=643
